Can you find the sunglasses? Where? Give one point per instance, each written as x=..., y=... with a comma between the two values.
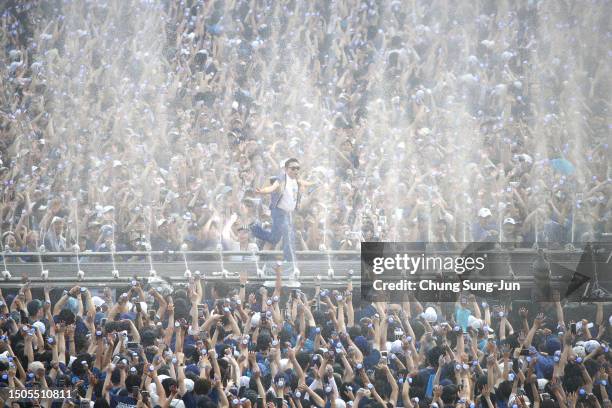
x=294, y=168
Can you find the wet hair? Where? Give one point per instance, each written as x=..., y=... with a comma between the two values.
x=382, y=385
x=147, y=338
x=354, y=331
x=481, y=381
x=449, y=394
x=221, y=288
x=284, y=335
x=115, y=376
x=251, y=395
x=132, y=380
x=418, y=329
x=592, y=367
x=33, y=307
x=201, y=386
x=448, y=371
x=263, y=342
x=66, y=316
x=81, y=343
x=433, y=356
x=572, y=380
x=306, y=403
x=303, y=359
x=168, y=383
x=101, y=403
x=291, y=160
x=504, y=390
x=320, y=393
x=549, y=403
x=181, y=310
x=205, y=402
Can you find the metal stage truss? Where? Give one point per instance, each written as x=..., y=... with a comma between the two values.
x=331, y=266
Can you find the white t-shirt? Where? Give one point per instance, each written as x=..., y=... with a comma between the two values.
x=288, y=200
x=175, y=403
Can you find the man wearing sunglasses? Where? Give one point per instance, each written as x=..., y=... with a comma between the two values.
x=286, y=192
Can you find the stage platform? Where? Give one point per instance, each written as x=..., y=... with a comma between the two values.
x=332, y=267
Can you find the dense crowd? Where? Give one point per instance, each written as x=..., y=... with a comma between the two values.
x=139, y=124
x=207, y=345
x=129, y=124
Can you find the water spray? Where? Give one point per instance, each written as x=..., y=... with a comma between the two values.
x=323, y=246
x=75, y=247
x=148, y=248
x=44, y=273
x=224, y=271
x=5, y=273
x=253, y=249
x=80, y=273
x=184, y=249
x=152, y=272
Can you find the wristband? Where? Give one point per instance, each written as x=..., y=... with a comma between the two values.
x=242, y=286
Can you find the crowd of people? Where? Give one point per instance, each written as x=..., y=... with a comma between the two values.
x=139, y=124
x=207, y=345
x=145, y=125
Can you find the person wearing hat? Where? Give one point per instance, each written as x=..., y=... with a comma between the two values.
x=106, y=238
x=510, y=231
x=286, y=191
x=484, y=229
x=9, y=241
x=161, y=237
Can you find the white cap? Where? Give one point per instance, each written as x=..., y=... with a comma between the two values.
x=512, y=400
x=244, y=381
x=484, y=212
x=40, y=326
x=430, y=314
x=188, y=384
x=255, y=320
x=542, y=383
x=509, y=220
x=474, y=323
x=590, y=346
x=97, y=301
x=396, y=346
x=580, y=351
x=340, y=403
x=284, y=364
x=35, y=366
x=56, y=219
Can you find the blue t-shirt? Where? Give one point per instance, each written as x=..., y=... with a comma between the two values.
x=191, y=399
x=461, y=316
x=480, y=233
x=544, y=366
x=118, y=401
